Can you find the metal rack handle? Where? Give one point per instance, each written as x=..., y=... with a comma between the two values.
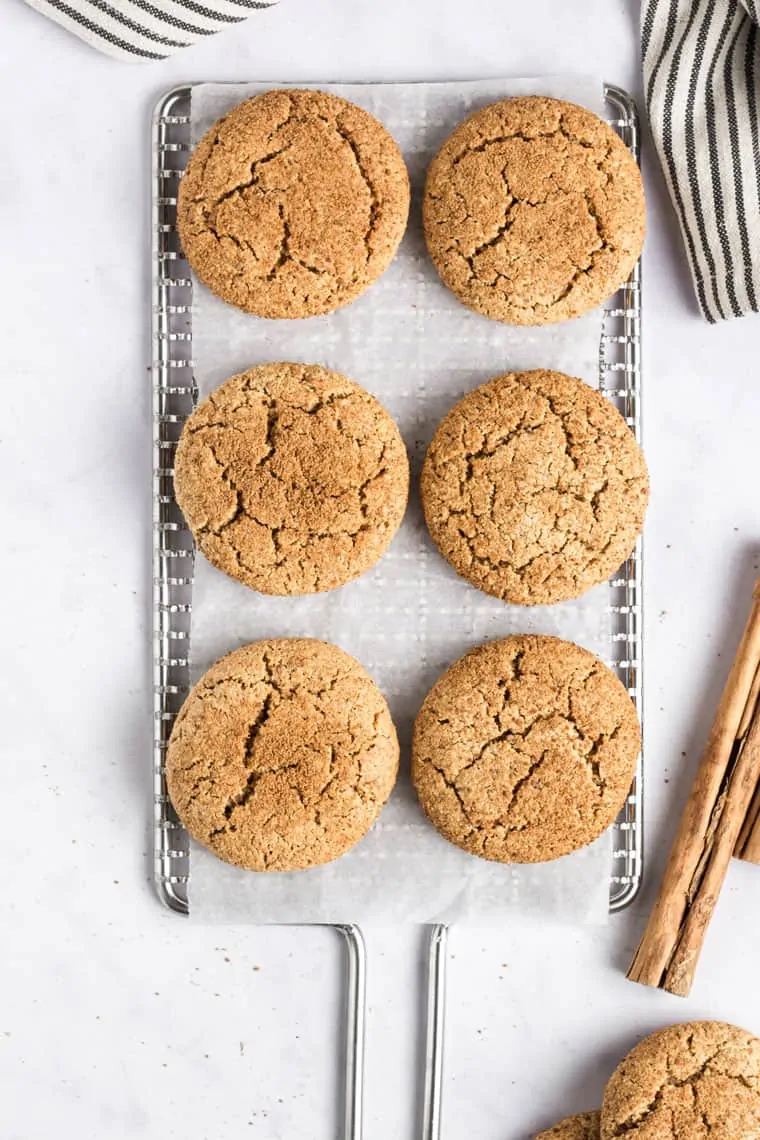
x=434, y=1032
x=356, y=1010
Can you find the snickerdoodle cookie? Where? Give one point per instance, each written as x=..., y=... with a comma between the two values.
x=687, y=1082
x=525, y=749
x=292, y=479
x=293, y=204
x=534, y=487
x=282, y=755
x=585, y=1126
x=534, y=211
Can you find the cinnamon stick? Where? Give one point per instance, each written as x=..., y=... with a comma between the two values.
x=708, y=830
x=748, y=843
x=749, y=708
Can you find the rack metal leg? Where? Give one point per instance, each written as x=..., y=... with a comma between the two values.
x=436, y=1018
x=356, y=1006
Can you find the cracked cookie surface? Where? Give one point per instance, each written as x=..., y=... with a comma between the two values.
x=697, y=1081
x=292, y=478
x=584, y=1126
x=525, y=749
x=282, y=755
x=293, y=204
x=534, y=211
x=534, y=488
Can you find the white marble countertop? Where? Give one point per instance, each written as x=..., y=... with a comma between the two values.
x=118, y=1019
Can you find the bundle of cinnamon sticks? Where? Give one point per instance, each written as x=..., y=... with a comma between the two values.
x=721, y=819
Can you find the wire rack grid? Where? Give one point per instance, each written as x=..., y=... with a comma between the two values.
x=174, y=396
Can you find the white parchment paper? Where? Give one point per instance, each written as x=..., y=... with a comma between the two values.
x=410, y=343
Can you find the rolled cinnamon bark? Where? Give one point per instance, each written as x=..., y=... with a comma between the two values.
x=708, y=830
x=749, y=708
x=748, y=843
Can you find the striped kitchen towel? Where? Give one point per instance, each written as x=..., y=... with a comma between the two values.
x=145, y=29
x=701, y=61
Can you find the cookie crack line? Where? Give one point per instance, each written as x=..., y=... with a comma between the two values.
x=560, y=129
x=505, y=227
x=286, y=254
x=293, y=479
x=476, y=827
x=520, y=568
x=248, y=791
x=514, y=735
x=578, y=272
x=454, y=527
x=451, y=784
x=516, y=750
x=374, y=207
x=577, y=220
x=293, y=215
x=283, y=755
x=213, y=204
x=636, y=1119
x=217, y=140
x=240, y=509
x=533, y=767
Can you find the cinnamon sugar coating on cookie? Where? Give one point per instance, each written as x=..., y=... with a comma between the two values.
x=534, y=487
x=293, y=479
x=584, y=1126
x=697, y=1081
x=293, y=204
x=525, y=749
x=282, y=755
x=534, y=211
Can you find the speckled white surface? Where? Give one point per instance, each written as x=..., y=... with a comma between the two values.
x=117, y=1019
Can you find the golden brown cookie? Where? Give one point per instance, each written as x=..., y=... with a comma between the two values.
x=534, y=211
x=585, y=1126
x=525, y=749
x=292, y=479
x=534, y=488
x=282, y=755
x=688, y=1082
x=293, y=204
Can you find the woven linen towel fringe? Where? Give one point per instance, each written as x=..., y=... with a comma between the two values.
x=701, y=62
x=145, y=29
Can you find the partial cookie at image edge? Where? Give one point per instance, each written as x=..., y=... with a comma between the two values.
x=687, y=1080
x=583, y=1126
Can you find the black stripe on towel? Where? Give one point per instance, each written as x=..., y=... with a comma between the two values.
x=731, y=65
x=647, y=26
x=670, y=28
x=155, y=37
x=173, y=21
x=715, y=168
x=103, y=33
x=691, y=157
x=199, y=10
x=750, y=65
x=667, y=145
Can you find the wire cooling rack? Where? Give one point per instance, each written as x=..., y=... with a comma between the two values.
x=174, y=396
